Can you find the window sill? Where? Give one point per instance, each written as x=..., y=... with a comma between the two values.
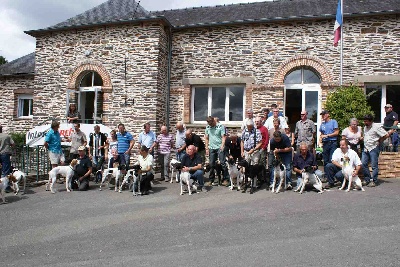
x=199, y=124
x=23, y=118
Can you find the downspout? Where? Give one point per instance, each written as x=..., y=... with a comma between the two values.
x=169, y=76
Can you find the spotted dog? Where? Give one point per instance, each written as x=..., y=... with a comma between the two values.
x=348, y=176
x=4, y=181
x=175, y=166
x=309, y=176
x=279, y=174
x=235, y=172
x=20, y=176
x=187, y=181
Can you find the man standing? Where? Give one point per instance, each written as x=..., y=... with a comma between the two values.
x=97, y=146
x=373, y=136
x=83, y=169
x=147, y=138
x=192, y=163
x=390, y=123
x=125, y=143
x=194, y=139
x=52, y=142
x=263, y=149
x=165, y=142
x=305, y=132
x=250, y=148
x=280, y=146
x=6, y=143
x=215, y=142
x=77, y=139
x=342, y=157
x=180, y=144
x=249, y=116
x=272, y=107
x=269, y=123
x=329, y=130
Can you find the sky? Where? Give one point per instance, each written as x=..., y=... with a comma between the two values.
x=18, y=16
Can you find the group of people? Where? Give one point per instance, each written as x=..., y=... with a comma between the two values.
x=262, y=139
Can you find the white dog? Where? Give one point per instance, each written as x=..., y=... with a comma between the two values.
x=348, y=176
x=186, y=180
x=110, y=173
x=175, y=166
x=19, y=176
x=235, y=172
x=67, y=171
x=279, y=174
x=308, y=176
x=4, y=181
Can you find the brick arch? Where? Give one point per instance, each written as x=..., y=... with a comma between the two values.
x=300, y=61
x=81, y=70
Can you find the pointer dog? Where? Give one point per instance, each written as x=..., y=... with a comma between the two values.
x=308, y=176
x=67, y=171
x=19, y=176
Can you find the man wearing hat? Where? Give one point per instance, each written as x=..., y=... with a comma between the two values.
x=82, y=171
x=329, y=130
x=373, y=136
x=390, y=123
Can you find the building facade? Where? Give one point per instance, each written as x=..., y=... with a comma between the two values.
x=133, y=66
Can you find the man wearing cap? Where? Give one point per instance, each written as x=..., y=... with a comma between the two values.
x=373, y=136
x=390, y=124
x=329, y=130
x=82, y=171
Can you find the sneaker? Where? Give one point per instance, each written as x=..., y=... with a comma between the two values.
x=225, y=183
x=371, y=184
x=215, y=183
x=289, y=187
x=208, y=184
x=364, y=183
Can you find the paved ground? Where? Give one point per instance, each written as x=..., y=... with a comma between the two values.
x=218, y=228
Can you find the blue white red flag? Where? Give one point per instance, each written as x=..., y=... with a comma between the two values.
x=338, y=24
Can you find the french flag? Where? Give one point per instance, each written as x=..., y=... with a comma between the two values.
x=338, y=24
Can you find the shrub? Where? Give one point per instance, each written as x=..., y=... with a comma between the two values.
x=347, y=102
x=18, y=138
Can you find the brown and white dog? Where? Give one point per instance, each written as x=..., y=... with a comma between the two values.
x=19, y=176
x=66, y=171
x=348, y=176
x=4, y=181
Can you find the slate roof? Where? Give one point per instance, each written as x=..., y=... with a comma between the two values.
x=275, y=10
x=108, y=12
x=19, y=66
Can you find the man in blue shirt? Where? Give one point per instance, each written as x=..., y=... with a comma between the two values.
x=280, y=146
x=125, y=143
x=52, y=142
x=147, y=138
x=329, y=130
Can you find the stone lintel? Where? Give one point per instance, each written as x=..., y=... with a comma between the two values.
x=377, y=78
x=216, y=81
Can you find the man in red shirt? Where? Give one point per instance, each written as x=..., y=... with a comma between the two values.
x=262, y=175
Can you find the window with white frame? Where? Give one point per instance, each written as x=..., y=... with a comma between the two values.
x=380, y=95
x=224, y=102
x=25, y=106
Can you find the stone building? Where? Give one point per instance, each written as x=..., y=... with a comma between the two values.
x=121, y=63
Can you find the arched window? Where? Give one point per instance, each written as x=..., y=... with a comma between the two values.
x=91, y=79
x=302, y=76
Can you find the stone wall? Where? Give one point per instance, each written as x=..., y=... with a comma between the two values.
x=267, y=52
x=130, y=59
x=11, y=87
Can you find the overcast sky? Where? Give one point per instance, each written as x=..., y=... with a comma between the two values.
x=17, y=16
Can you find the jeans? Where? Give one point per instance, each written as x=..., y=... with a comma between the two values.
x=395, y=141
x=163, y=160
x=179, y=155
x=214, y=154
x=127, y=158
x=199, y=176
x=6, y=164
x=370, y=156
x=287, y=161
x=332, y=172
x=329, y=147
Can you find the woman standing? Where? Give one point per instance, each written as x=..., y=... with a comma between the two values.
x=354, y=135
x=73, y=114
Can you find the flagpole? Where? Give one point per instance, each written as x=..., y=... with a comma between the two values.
x=341, y=44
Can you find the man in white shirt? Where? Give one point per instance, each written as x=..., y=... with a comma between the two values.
x=269, y=123
x=342, y=157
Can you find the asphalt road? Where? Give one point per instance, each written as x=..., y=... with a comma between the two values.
x=217, y=228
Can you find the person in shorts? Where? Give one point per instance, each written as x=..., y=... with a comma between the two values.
x=52, y=142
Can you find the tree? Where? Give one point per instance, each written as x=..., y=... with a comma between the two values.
x=347, y=102
x=3, y=60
